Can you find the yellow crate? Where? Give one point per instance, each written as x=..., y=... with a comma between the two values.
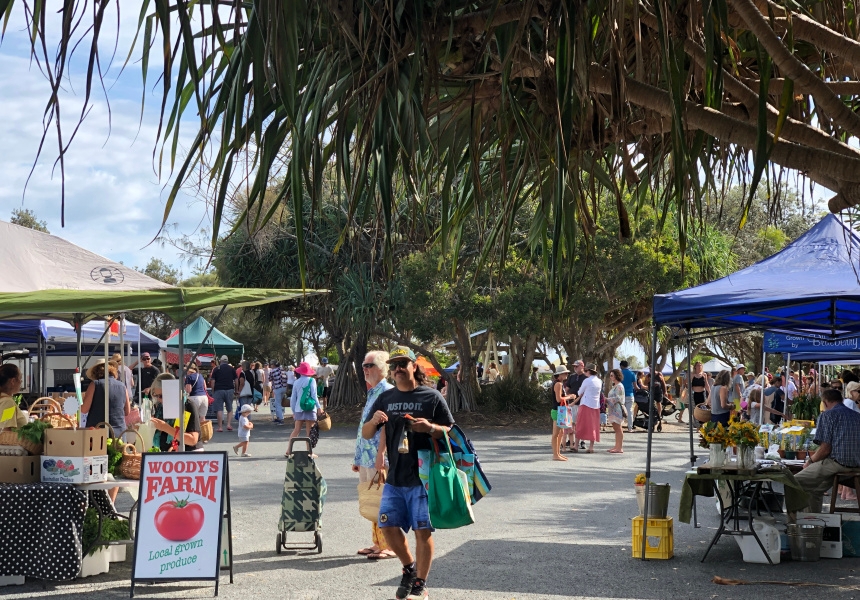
x=798, y=422
x=661, y=541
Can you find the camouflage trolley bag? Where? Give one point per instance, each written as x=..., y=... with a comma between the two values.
x=304, y=496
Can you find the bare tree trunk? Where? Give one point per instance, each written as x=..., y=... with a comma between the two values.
x=463, y=394
x=349, y=387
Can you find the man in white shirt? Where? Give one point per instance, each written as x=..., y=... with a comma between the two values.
x=789, y=387
x=324, y=375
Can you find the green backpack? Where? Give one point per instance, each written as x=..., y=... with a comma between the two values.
x=307, y=402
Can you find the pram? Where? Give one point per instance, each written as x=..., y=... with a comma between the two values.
x=643, y=403
x=303, y=499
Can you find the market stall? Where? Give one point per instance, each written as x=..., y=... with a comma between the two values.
x=54, y=279
x=774, y=294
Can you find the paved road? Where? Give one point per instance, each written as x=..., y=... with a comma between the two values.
x=548, y=530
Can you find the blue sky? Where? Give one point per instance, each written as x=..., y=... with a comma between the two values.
x=114, y=198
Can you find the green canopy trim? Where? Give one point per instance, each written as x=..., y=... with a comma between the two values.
x=177, y=303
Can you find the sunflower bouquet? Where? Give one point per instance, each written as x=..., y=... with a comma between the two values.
x=712, y=433
x=743, y=435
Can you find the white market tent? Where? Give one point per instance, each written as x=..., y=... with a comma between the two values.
x=715, y=365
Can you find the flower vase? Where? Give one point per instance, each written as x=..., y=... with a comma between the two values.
x=746, y=457
x=717, y=457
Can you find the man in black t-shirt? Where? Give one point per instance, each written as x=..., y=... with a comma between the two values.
x=148, y=373
x=223, y=382
x=404, y=499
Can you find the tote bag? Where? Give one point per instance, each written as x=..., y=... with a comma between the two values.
x=448, y=496
x=370, y=497
x=565, y=418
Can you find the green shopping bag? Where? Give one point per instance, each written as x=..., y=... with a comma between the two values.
x=448, y=493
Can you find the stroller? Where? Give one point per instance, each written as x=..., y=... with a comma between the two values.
x=662, y=409
x=303, y=499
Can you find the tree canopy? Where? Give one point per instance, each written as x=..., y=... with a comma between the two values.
x=486, y=105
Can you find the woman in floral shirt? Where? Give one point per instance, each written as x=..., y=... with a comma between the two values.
x=375, y=368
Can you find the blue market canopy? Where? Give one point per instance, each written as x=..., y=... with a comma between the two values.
x=809, y=286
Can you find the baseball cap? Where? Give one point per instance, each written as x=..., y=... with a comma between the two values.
x=324, y=360
x=401, y=352
x=145, y=355
x=246, y=408
x=740, y=367
x=224, y=358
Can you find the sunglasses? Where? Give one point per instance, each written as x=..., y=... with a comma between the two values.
x=159, y=396
x=368, y=365
x=399, y=364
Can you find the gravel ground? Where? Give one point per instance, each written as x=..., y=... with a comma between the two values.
x=547, y=530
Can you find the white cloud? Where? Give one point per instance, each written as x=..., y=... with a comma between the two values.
x=114, y=199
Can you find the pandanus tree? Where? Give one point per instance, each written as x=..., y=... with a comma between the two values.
x=486, y=104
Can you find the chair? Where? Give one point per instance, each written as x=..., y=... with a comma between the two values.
x=850, y=479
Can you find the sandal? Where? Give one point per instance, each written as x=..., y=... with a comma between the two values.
x=614, y=451
x=219, y=430
x=366, y=551
x=381, y=555
x=229, y=429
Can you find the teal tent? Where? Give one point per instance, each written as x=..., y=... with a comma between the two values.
x=195, y=334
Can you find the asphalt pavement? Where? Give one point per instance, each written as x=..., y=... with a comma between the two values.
x=547, y=530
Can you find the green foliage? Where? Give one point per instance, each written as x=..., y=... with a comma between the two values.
x=512, y=394
x=33, y=432
x=113, y=530
x=27, y=218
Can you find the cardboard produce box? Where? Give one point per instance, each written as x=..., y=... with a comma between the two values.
x=75, y=442
x=19, y=469
x=74, y=469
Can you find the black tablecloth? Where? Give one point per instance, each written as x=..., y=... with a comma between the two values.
x=40, y=530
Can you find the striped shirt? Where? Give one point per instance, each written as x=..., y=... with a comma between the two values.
x=277, y=379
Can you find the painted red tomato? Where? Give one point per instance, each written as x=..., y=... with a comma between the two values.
x=179, y=520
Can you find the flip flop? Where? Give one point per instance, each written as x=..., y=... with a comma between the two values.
x=366, y=551
x=614, y=451
x=229, y=429
x=381, y=555
x=219, y=430
x=561, y=458
x=589, y=451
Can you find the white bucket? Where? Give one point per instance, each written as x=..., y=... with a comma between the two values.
x=769, y=536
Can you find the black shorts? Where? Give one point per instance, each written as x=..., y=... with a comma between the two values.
x=326, y=392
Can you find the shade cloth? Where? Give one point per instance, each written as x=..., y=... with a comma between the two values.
x=811, y=285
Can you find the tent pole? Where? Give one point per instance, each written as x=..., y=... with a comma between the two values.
x=107, y=373
x=690, y=415
x=78, y=324
x=764, y=381
x=785, y=374
x=182, y=387
x=206, y=337
x=652, y=378
x=139, y=391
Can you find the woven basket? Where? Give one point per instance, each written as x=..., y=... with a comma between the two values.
x=43, y=406
x=206, y=431
x=129, y=466
x=702, y=413
x=10, y=437
x=324, y=421
x=58, y=420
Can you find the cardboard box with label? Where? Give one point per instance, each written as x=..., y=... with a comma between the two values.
x=75, y=442
x=19, y=469
x=74, y=469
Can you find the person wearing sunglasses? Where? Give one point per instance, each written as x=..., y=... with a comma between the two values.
x=148, y=372
x=411, y=414
x=165, y=432
x=375, y=369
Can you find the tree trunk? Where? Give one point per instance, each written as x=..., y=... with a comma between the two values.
x=349, y=386
x=463, y=394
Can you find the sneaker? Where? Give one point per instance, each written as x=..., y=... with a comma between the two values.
x=405, y=588
x=419, y=591
x=582, y=445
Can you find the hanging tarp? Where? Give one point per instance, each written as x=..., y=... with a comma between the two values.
x=195, y=335
x=812, y=284
x=777, y=343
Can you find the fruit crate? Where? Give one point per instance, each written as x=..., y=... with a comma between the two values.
x=661, y=541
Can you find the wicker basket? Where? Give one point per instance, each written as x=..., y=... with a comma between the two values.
x=206, y=431
x=9, y=437
x=129, y=466
x=324, y=421
x=44, y=406
x=58, y=420
x=702, y=413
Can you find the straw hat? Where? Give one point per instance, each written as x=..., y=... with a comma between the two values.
x=305, y=369
x=99, y=363
x=561, y=369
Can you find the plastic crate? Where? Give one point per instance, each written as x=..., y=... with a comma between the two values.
x=661, y=540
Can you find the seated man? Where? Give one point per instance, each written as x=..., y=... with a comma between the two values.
x=838, y=437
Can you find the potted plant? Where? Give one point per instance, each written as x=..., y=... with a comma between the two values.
x=713, y=437
x=98, y=558
x=744, y=436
